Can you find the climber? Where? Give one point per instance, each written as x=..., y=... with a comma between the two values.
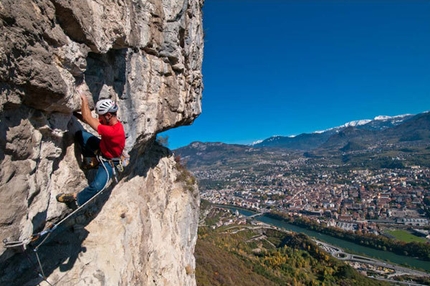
x=103, y=153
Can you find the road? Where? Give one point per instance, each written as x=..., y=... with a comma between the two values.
x=342, y=255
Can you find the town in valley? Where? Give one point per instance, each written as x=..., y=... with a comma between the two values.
x=356, y=200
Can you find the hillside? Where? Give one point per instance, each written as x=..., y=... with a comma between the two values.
x=250, y=255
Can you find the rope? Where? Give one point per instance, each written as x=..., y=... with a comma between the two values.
x=16, y=243
x=10, y=244
x=32, y=263
x=34, y=237
x=40, y=264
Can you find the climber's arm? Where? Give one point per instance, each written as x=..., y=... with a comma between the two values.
x=86, y=114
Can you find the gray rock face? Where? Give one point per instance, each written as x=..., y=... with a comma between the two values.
x=145, y=55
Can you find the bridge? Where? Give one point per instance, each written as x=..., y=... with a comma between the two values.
x=257, y=214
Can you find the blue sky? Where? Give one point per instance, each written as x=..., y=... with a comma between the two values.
x=280, y=67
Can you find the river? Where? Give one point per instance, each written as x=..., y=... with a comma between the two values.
x=346, y=245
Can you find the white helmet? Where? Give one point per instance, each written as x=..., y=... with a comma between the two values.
x=106, y=105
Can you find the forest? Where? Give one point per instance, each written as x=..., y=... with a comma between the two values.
x=252, y=257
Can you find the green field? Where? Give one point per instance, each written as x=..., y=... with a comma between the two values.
x=404, y=235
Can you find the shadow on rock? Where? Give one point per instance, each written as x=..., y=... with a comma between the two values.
x=61, y=248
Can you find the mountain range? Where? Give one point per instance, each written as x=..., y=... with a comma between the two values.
x=386, y=141
x=309, y=141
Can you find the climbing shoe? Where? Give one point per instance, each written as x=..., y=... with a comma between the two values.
x=65, y=198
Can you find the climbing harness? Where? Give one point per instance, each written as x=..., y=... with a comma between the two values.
x=112, y=162
x=33, y=238
x=117, y=163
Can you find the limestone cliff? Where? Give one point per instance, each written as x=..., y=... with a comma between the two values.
x=147, y=56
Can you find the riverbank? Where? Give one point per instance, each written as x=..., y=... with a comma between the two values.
x=354, y=248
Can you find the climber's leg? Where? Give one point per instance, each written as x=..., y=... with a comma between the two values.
x=104, y=173
x=88, y=142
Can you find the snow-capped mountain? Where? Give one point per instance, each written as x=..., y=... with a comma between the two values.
x=383, y=142
x=308, y=141
x=379, y=122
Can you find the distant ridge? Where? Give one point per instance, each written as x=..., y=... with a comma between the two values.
x=384, y=142
x=379, y=122
x=310, y=141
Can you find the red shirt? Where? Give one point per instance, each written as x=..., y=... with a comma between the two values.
x=112, y=140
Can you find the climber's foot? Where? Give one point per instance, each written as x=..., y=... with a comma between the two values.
x=65, y=198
